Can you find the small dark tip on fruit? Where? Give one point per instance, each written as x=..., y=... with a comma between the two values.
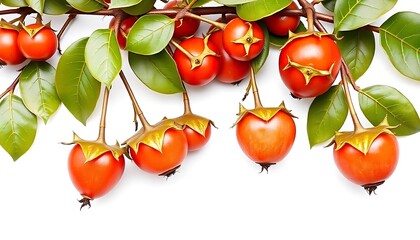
x=265, y=166
x=370, y=188
x=85, y=202
x=293, y=96
x=169, y=173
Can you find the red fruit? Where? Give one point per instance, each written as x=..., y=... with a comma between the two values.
x=195, y=140
x=243, y=40
x=309, y=65
x=231, y=70
x=37, y=42
x=165, y=162
x=96, y=177
x=266, y=142
x=9, y=49
x=205, y=65
x=371, y=169
x=186, y=26
x=280, y=24
x=125, y=27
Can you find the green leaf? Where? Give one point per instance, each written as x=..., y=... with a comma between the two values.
x=150, y=34
x=37, y=5
x=158, y=72
x=103, y=56
x=357, y=48
x=233, y=2
x=123, y=3
x=56, y=7
x=17, y=126
x=326, y=115
x=258, y=62
x=14, y=3
x=352, y=14
x=280, y=41
x=200, y=3
x=329, y=4
x=400, y=39
x=380, y=101
x=76, y=87
x=143, y=7
x=37, y=87
x=259, y=9
x=86, y=5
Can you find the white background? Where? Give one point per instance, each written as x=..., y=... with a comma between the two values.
x=218, y=192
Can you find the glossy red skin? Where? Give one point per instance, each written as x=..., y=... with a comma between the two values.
x=266, y=141
x=200, y=75
x=236, y=29
x=376, y=166
x=174, y=151
x=9, y=50
x=125, y=28
x=317, y=52
x=280, y=24
x=195, y=140
x=97, y=177
x=40, y=47
x=185, y=27
x=231, y=70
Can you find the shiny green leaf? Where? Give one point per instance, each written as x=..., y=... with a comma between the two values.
x=258, y=62
x=17, y=126
x=158, y=72
x=123, y=3
x=141, y=8
x=200, y=3
x=357, y=48
x=380, y=101
x=37, y=87
x=86, y=5
x=353, y=14
x=280, y=41
x=400, y=39
x=233, y=2
x=37, y=5
x=326, y=115
x=150, y=34
x=329, y=4
x=56, y=7
x=103, y=56
x=259, y=9
x=14, y=3
x=76, y=87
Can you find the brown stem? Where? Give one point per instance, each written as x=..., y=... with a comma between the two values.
x=136, y=105
x=70, y=18
x=102, y=124
x=181, y=14
x=356, y=122
x=257, y=100
x=218, y=25
x=187, y=106
x=349, y=75
x=11, y=88
x=310, y=13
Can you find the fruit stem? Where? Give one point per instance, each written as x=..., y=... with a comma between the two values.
x=203, y=19
x=146, y=125
x=257, y=100
x=310, y=13
x=187, y=106
x=70, y=18
x=183, y=50
x=181, y=13
x=356, y=122
x=11, y=88
x=102, y=124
